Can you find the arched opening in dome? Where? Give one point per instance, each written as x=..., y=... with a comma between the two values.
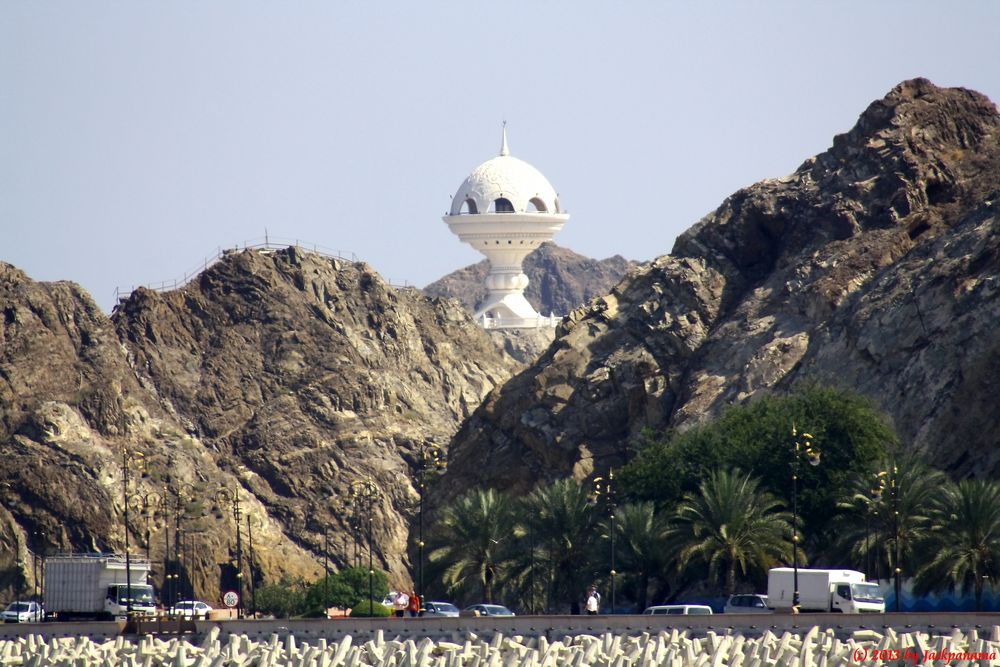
x=469, y=206
x=502, y=205
x=557, y=205
x=536, y=205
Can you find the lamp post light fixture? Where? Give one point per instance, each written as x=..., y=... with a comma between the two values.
x=364, y=494
x=253, y=584
x=897, y=570
x=606, y=488
x=146, y=503
x=812, y=454
x=433, y=457
x=878, y=489
x=129, y=458
x=225, y=496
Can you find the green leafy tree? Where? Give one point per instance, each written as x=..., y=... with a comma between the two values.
x=732, y=526
x=850, y=432
x=283, y=599
x=345, y=589
x=472, y=540
x=964, y=540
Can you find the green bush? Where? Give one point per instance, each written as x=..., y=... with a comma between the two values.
x=377, y=610
x=282, y=600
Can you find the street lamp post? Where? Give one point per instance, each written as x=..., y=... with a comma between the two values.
x=897, y=570
x=812, y=456
x=606, y=488
x=224, y=496
x=128, y=457
x=876, y=497
x=431, y=456
x=253, y=585
x=366, y=492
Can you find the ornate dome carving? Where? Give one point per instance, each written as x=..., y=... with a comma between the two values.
x=505, y=184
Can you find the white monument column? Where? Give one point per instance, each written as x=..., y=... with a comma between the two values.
x=505, y=209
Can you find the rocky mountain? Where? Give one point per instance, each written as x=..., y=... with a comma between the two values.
x=560, y=280
x=875, y=266
x=281, y=377
x=287, y=379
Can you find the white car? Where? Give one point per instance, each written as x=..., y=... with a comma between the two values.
x=191, y=609
x=678, y=609
x=23, y=612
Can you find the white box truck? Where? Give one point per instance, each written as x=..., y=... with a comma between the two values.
x=95, y=586
x=843, y=591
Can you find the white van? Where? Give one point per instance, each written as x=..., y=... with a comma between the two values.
x=671, y=609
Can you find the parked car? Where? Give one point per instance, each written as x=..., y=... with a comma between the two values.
x=191, y=609
x=440, y=609
x=23, y=612
x=488, y=610
x=671, y=609
x=747, y=603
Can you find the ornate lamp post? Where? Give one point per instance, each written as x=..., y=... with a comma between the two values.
x=897, y=570
x=129, y=458
x=876, y=497
x=38, y=537
x=225, y=496
x=253, y=585
x=812, y=455
x=431, y=456
x=364, y=494
x=606, y=488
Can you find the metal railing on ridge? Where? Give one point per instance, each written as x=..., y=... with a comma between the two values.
x=267, y=243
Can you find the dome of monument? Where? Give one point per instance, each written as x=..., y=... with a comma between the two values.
x=505, y=184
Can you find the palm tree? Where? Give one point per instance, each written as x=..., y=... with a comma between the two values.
x=866, y=532
x=733, y=527
x=641, y=545
x=964, y=540
x=472, y=540
x=563, y=521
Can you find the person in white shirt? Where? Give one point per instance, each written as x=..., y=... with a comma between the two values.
x=400, y=604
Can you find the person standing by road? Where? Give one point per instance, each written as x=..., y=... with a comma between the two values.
x=593, y=602
x=401, y=603
x=414, y=604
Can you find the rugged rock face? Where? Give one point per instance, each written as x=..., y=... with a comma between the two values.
x=875, y=266
x=282, y=375
x=560, y=280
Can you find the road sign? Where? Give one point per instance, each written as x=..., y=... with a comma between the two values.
x=230, y=599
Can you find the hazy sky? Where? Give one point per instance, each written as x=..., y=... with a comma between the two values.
x=138, y=137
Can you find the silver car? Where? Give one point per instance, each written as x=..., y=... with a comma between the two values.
x=440, y=609
x=747, y=603
x=488, y=610
x=23, y=612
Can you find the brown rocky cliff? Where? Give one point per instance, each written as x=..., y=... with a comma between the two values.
x=281, y=374
x=303, y=375
x=873, y=267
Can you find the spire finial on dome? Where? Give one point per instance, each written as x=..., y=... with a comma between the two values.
x=504, y=150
